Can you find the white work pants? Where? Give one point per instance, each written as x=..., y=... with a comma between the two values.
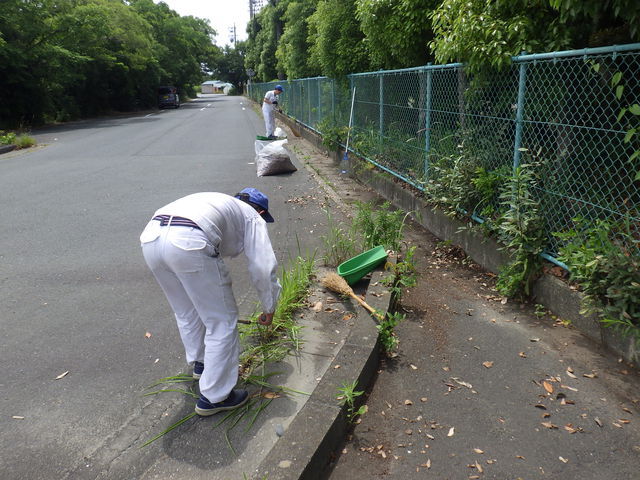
x=269, y=114
x=197, y=285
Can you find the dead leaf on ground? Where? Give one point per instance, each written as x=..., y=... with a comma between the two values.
x=408, y=402
x=317, y=307
x=563, y=460
x=17, y=417
x=451, y=432
x=270, y=395
x=413, y=367
x=423, y=399
x=487, y=364
x=570, y=372
x=598, y=421
x=547, y=386
x=590, y=375
x=477, y=450
x=523, y=355
x=549, y=425
x=534, y=339
x=147, y=335
x=62, y=375
x=427, y=464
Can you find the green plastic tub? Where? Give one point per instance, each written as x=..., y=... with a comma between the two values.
x=357, y=267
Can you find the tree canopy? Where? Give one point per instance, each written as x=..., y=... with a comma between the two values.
x=61, y=59
x=348, y=36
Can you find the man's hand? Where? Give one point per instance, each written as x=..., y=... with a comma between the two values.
x=265, y=319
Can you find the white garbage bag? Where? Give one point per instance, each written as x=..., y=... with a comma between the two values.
x=260, y=144
x=273, y=159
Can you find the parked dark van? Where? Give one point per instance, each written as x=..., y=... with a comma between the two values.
x=168, y=97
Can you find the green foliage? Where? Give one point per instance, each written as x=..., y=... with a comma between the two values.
x=521, y=231
x=348, y=394
x=379, y=225
x=337, y=43
x=333, y=135
x=293, y=46
x=62, y=60
x=629, y=117
x=7, y=138
x=264, y=30
x=616, y=16
x=397, y=32
x=607, y=271
x=482, y=33
x=404, y=274
x=386, y=330
x=277, y=340
x=339, y=243
x=24, y=141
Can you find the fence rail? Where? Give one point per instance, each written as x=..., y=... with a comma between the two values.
x=570, y=116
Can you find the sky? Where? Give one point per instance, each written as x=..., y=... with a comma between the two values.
x=222, y=15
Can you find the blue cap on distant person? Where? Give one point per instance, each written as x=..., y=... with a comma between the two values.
x=257, y=197
x=279, y=87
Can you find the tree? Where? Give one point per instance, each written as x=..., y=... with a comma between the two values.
x=607, y=21
x=263, y=39
x=490, y=32
x=337, y=42
x=230, y=65
x=293, y=48
x=397, y=32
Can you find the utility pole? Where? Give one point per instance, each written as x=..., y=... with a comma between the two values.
x=232, y=35
x=254, y=7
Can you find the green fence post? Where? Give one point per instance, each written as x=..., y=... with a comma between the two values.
x=522, y=79
x=427, y=121
x=381, y=115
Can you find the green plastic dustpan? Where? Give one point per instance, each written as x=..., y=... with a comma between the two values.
x=357, y=267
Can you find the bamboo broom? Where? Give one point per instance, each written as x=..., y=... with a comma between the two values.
x=336, y=283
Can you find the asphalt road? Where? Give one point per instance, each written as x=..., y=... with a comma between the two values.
x=77, y=298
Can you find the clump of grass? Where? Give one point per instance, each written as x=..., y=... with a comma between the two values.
x=379, y=225
x=19, y=140
x=276, y=341
x=339, y=243
x=24, y=141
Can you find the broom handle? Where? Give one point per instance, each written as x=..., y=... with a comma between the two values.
x=366, y=305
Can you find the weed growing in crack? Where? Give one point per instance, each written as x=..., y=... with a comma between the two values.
x=348, y=394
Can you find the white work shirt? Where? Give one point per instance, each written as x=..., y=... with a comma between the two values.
x=272, y=97
x=232, y=226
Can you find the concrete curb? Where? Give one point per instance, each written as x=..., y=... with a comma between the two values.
x=305, y=449
x=7, y=148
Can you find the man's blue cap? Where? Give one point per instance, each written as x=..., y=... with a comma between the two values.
x=279, y=87
x=256, y=197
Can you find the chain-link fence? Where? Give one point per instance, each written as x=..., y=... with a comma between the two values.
x=572, y=118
